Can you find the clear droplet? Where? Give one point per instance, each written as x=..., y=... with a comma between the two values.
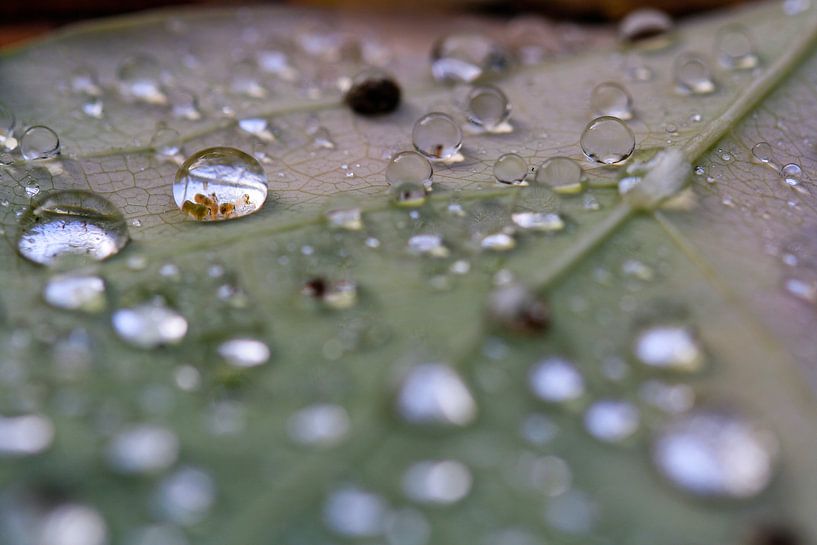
x=409, y=167
x=245, y=81
x=143, y=449
x=515, y=307
x=321, y=139
x=762, y=151
x=258, y=127
x=611, y=99
x=607, y=140
x=611, y=420
x=488, y=108
x=67, y=223
x=648, y=27
x=464, y=58
x=792, y=173
x=410, y=195
x=428, y=244
x=184, y=104
x=735, y=49
x=556, y=380
x=546, y=222
x=140, y=79
x=671, y=347
x=716, y=453
x=322, y=425
x=561, y=174
x=692, y=75
x=186, y=496
x=25, y=435
x=355, y=513
x=349, y=219
x=85, y=81
x=433, y=393
x=149, y=325
x=440, y=482
x=75, y=292
x=219, y=184
x=498, y=242
x=39, y=142
x=511, y=169
x=93, y=107
x=166, y=143
x=7, y=123
x=244, y=352
x=438, y=137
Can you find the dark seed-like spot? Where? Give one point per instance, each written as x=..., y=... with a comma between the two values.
x=374, y=96
x=315, y=288
x=774, y=534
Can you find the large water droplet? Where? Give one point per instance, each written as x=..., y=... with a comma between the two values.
x=607, y=140
x=143, y=449
x=671, y=347
x=692, y=75
x=25, y=435
x=433, y=393
x=611, y=99
x=488, y=108
x=438, y=137
x=75, y=292
x=149, y=325
x=322, y=425
x=409, y=167
x=611, y=420
x=441, y=482
x=244, y=352
x=511, y=169
x=220, y=183
x=556, y=380
x=647, y=27
x=791, y=173
x=466, y=57
x=39, y=142
x=498, y=242
x=140, y=80
x=355, y=513
x=67, y=223
x=734, y=48
x=561, y=174
x=373, y=92
x=716, y=453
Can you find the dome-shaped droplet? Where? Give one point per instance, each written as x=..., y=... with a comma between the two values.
x=669, y=346
x=428, y=244
x=71, y=223
x=140, y=79
x=762, y=151
x=219, y=184
x=734, y=48
x=459, y=58
x=511, y=169
x=39, y=142
x=611, y=99
x=556, y=380
x=149, y=325
x=355, y=513
x=373, y=92
x=245, y=80
x=792, y=173
x=184, y=104
x=716, y=453
x=487, y=107
x=409, y=167
x=561, y=174
x=433, y=393
x=437, y=482
x=409, y=194
x=75, y=292
x=84, y=81
x=611, y=420
x=515, y=307
x=7, y=123
x=244, y=352
x=547, y=222
x=438, y=137
x=692, y=75
x=607, y=140
x=647, y=27
x=166, y=142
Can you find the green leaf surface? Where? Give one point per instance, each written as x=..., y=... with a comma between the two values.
x=719, y=255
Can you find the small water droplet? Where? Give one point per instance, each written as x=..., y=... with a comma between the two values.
x=611, y=420
x=338, y=294
x=607, y=140
x=515, y=307
x=410, y=195
x=350, y=219
x=611, y=99
x=140, y=80
x=321, y=139
x=75, y=292
x=25, y=435
x=244, y=80
x=735, y=49
x=67, y=223
x=184, y=104
x=762, y=151
x=561, y=174
x=511, y=169
x=556, y=380
x=715, y=453
x=7, y=124
x=373, y=92
x=409, y=167
x=464, y=58
x=143, y=449
x=488, y=108
x=669, y=346
x=39, y=142
x=258, y=127
x=692, y=75
x=149, y=325
x=498, y=242
x=791, y=173
x=700, y=170
x=355, y=513
x=433, y=393
x=166, y=143
x=647, y=27
x=428, y=244
x=670, y=398
x=801, y=289
x=438, y=137
x=186, y=496
x=322, y=425
x=93, y=107
x=546, y=222
x=85, y=81
x=244, y=352
x=440, y=482
x=73, y=524
x=220, y=183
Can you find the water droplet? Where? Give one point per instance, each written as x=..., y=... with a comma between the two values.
x=75, y=292
x=735, y=49
x=184, y=104
x=546, y=222
x=692, y=75
x=67, y=223
x=556, y=380
x=498, y=242
x=85, y=81
x=220, y=183
x=410, y=195
x=801, y=289
x=607, y=140
x=716, y=453
x=185, y=496
x=7, y=124
x=611, y=99
x=355, y=513
x=464, y=58
x=515, y=307
x=25, y=435
x=244, y=352
x=322, y=425
x=428, y=244
x=762, y=151
x=647, y=27
x=440, y=482
x=561, y=174
x=73, y=524
x=373, y=92
x=511, y=169
x=140, y=80
x=39, y=142
x=321, y=139
x=611, y=420
x=149, y=325
x=244, y=80
x=488, y=108
x=433, y=393
x=143, y=449
x=350, y=219
x=791, y=173
x=338, y=295
x=409, y=167
x=93, y=107
x=438, y=137
x=668, y=346
x=166, y=143
x=670, y=398
x=634, y=268
x=257, y=127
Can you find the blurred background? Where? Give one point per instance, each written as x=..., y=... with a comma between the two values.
x=24, y=19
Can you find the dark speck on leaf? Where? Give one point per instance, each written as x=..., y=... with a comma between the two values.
x=374, y=96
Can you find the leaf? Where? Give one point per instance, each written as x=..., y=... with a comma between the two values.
x=721, y=268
